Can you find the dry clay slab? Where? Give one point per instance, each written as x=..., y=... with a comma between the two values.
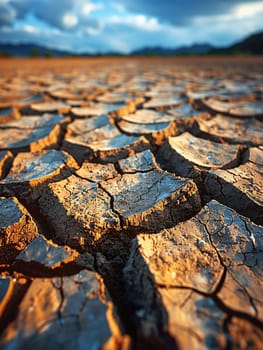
x=186, y=281
x=43, y=254
x=97, y=138
x=31, y=133
x=72, y=312
x=239, y=108
x=246, y=131
x=17, y=228
x=240, y=187
x=142, y=199
x=31, y=171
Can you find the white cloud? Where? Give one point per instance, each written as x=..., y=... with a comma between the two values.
x=138, y=21
x=249, y=9
x=69, y=20
x=91, y=7
x=225, y=29
x=30, y=29
x=182, y=13
x=145, y=23
x=94, y=29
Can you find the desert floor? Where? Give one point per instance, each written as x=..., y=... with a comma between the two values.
x=131, y=204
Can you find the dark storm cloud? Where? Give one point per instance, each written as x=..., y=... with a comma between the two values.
x=53, y=11
x=62, y=14
x=180, y=12
x=176, y=12
x=7, y=14
x=13, y=9
x=21, y=7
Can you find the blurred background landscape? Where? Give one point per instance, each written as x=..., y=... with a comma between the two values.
x=45, y=28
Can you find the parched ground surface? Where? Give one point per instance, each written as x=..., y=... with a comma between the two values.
x=131, y=204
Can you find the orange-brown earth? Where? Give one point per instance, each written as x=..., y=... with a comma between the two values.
x=131, y=203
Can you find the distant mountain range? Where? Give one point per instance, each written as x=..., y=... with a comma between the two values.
x=196, y=49
x=253, y=44
x=30, y=50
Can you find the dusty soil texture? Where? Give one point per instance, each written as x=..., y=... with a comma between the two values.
x=131, y=204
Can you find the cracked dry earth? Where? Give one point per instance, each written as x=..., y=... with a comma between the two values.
x=131, y=204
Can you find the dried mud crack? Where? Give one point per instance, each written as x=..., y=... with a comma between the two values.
x=131, y=204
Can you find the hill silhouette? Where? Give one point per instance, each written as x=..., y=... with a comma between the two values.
x=253, y=44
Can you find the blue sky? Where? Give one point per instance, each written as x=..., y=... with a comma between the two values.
x=102, y=25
